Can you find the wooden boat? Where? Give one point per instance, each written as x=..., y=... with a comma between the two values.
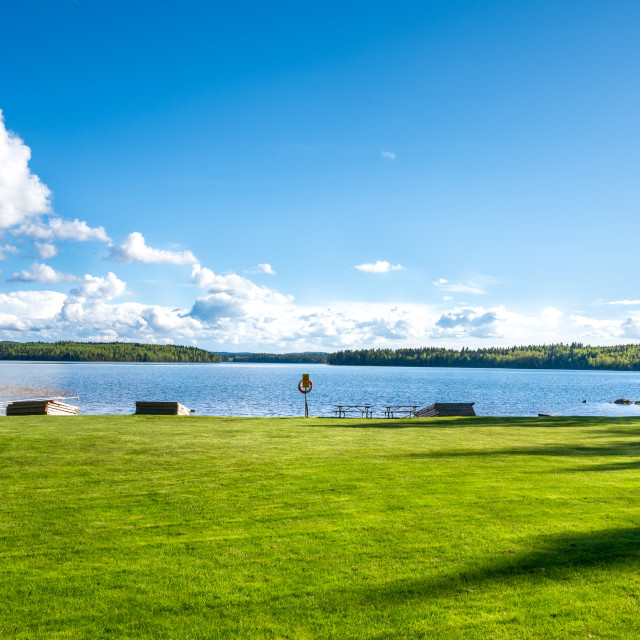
x=161, y=409
x=41, y=408
x=443, y=409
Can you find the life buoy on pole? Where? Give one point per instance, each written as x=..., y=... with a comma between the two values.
x=302, y=389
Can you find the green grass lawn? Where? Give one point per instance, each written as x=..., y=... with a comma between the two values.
x=181, y=528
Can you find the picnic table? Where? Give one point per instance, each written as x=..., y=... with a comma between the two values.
x=365, y=410
x=404, y=409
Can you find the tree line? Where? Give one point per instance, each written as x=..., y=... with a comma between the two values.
x=554, y=356
x=103, y=352
x=576, y=355
x=301, y=358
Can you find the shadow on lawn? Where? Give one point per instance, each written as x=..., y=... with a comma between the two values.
x=616, y=449
x=613, y=466
x=461, y=423
x=560, y=556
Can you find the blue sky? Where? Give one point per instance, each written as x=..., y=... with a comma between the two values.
x=406, y=174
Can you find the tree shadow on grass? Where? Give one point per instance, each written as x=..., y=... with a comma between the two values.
x=559, y=557
x=631, y=430
x=461, y=423
x=616, y=449
x=613, y=466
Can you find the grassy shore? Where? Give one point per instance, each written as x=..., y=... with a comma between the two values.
x=193, y=528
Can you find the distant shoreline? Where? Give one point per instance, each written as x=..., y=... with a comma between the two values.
x=249, y=362
x=554, y=357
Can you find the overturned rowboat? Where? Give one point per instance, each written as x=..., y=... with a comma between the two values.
x=443, y=409
x=161, y=409
x=44, y=407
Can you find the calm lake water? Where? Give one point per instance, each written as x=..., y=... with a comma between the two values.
x=271, y=390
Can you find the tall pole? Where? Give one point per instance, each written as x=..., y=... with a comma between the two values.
x=305, y=386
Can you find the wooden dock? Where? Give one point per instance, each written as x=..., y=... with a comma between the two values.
x=161, y=409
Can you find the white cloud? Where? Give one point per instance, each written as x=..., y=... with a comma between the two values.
x=447, y=298
x=55, y=228
x=496, y=323
x=260, y=317
x=606, y=329
x=459, y=287
x=263, y=267
x=24, y=198
x=235, y=312
x=631, y=328
x=388, y=154
x=22, y=194
x=93, y=318
x=134, y=249
x=106, y=288
x=7, y=250
x=46, y=250
x=239, y=312
x=9, y=322
x=380, y=266
x=625, y=302
x=29, y=308
x=50, y=315
x=231, y=295
x=551, y=317
x=42, y=273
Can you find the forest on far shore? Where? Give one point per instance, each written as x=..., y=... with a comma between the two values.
x=624, y=357
x=103, y=352
x=576, y=355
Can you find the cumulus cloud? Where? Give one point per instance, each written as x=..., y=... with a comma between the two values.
x=22, y=194
x=380, y=266
x=46, y=250
x=7, y=250
x=231, y=295
x=467, y=322
x=263, y=267
x=55, y=228
x=25, y=199
x=91, y=317
x=10, y=322
x=459, y=287
x=286, y=325
x=106, y=288
x=134, y=249
x=606, y=329
x=29, y=310
x=497, y=323
x=388, y=154
x=84, y=314
x=550, y=317
x=40, y=272
x=631, y=328
x=236, y=311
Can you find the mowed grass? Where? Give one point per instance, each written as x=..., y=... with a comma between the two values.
x=180, y=528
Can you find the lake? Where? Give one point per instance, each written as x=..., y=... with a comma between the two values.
x=271, y=389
